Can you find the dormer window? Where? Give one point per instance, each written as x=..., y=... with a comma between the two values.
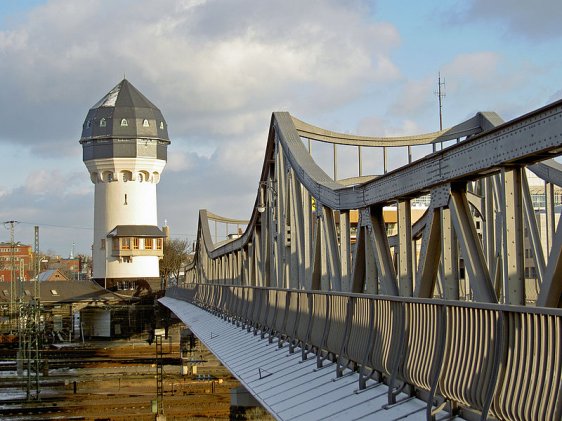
x=103, y=122
x=161, y=125
x=124, y=122
x=89, y=124
x=145, y=123
x=54, y=292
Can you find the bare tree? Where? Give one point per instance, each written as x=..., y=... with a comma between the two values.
x=175, y=258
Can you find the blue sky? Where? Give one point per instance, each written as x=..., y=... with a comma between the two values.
x=217, y=69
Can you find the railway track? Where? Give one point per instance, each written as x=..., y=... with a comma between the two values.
x=114, y=381
x=78, y=358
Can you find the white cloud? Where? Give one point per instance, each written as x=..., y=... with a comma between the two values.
x=537, y=20
x=216, y=69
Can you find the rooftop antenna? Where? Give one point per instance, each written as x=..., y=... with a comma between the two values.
x=440, y=95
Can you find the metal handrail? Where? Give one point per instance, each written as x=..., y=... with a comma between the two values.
x=504, y=361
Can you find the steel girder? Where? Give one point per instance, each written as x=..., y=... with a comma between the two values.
x=303, y=238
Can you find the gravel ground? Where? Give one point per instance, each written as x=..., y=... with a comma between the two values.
x=123, y=388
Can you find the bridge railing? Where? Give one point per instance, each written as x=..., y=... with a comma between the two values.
x=500, y=361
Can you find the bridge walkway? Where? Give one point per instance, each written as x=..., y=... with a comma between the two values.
x=288, y=387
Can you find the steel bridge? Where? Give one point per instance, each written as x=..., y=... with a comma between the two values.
x=437, y=282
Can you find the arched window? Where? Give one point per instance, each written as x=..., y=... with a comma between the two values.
x=145, y=123
x=126, y=175
x=103, y=123
x=161, y=125
x=124, y=122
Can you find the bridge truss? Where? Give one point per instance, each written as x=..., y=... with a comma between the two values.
x=470, y=251
x=480, y=216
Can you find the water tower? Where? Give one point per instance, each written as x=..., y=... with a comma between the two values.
x=124, y=142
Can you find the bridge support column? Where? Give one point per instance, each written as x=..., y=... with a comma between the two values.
x=514, y=280
x=405, y=248
x=241, y=403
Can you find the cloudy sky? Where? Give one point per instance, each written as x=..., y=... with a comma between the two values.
x=218, y=68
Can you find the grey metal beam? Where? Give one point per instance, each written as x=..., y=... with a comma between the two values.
x=533, y=229
x=382, y=253
x=471, y=248
x=429, y=255
x=405, y=276
x=331, y=249
x=514, y=274
x=345, y=250
x=551, y=288
x=358, y=273
x=481, y=154
x=449, y=258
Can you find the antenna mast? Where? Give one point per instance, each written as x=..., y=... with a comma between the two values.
x=440, y=95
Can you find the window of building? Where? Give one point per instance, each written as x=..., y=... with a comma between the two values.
x=89, y=124
x=161, y=125
x=103, y=123
x=127, y=259
x=136, y=242
x=103, y=244
x=148, y=243
x=6, y=293
x=145, y=123
x=159, y=244
x=54, y=292
x=124, y=122
x=27, y=292
x=125, y=243
x=116, y=244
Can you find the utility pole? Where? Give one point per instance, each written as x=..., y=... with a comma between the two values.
x=33, y=328
x=12, y=308
x=440, y=95
x=159, y=380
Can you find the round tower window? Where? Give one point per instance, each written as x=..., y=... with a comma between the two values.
x=161, y=125
x=145, y=123
x=102, y=122
x=124, y=123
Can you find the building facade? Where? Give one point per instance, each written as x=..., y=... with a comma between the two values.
x=124, y=142
x=16, y=262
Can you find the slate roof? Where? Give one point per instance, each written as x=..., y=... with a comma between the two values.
x=53, y=292
x=124, y=101
x=136, y=231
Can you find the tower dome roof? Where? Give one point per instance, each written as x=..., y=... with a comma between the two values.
x=124, y=113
